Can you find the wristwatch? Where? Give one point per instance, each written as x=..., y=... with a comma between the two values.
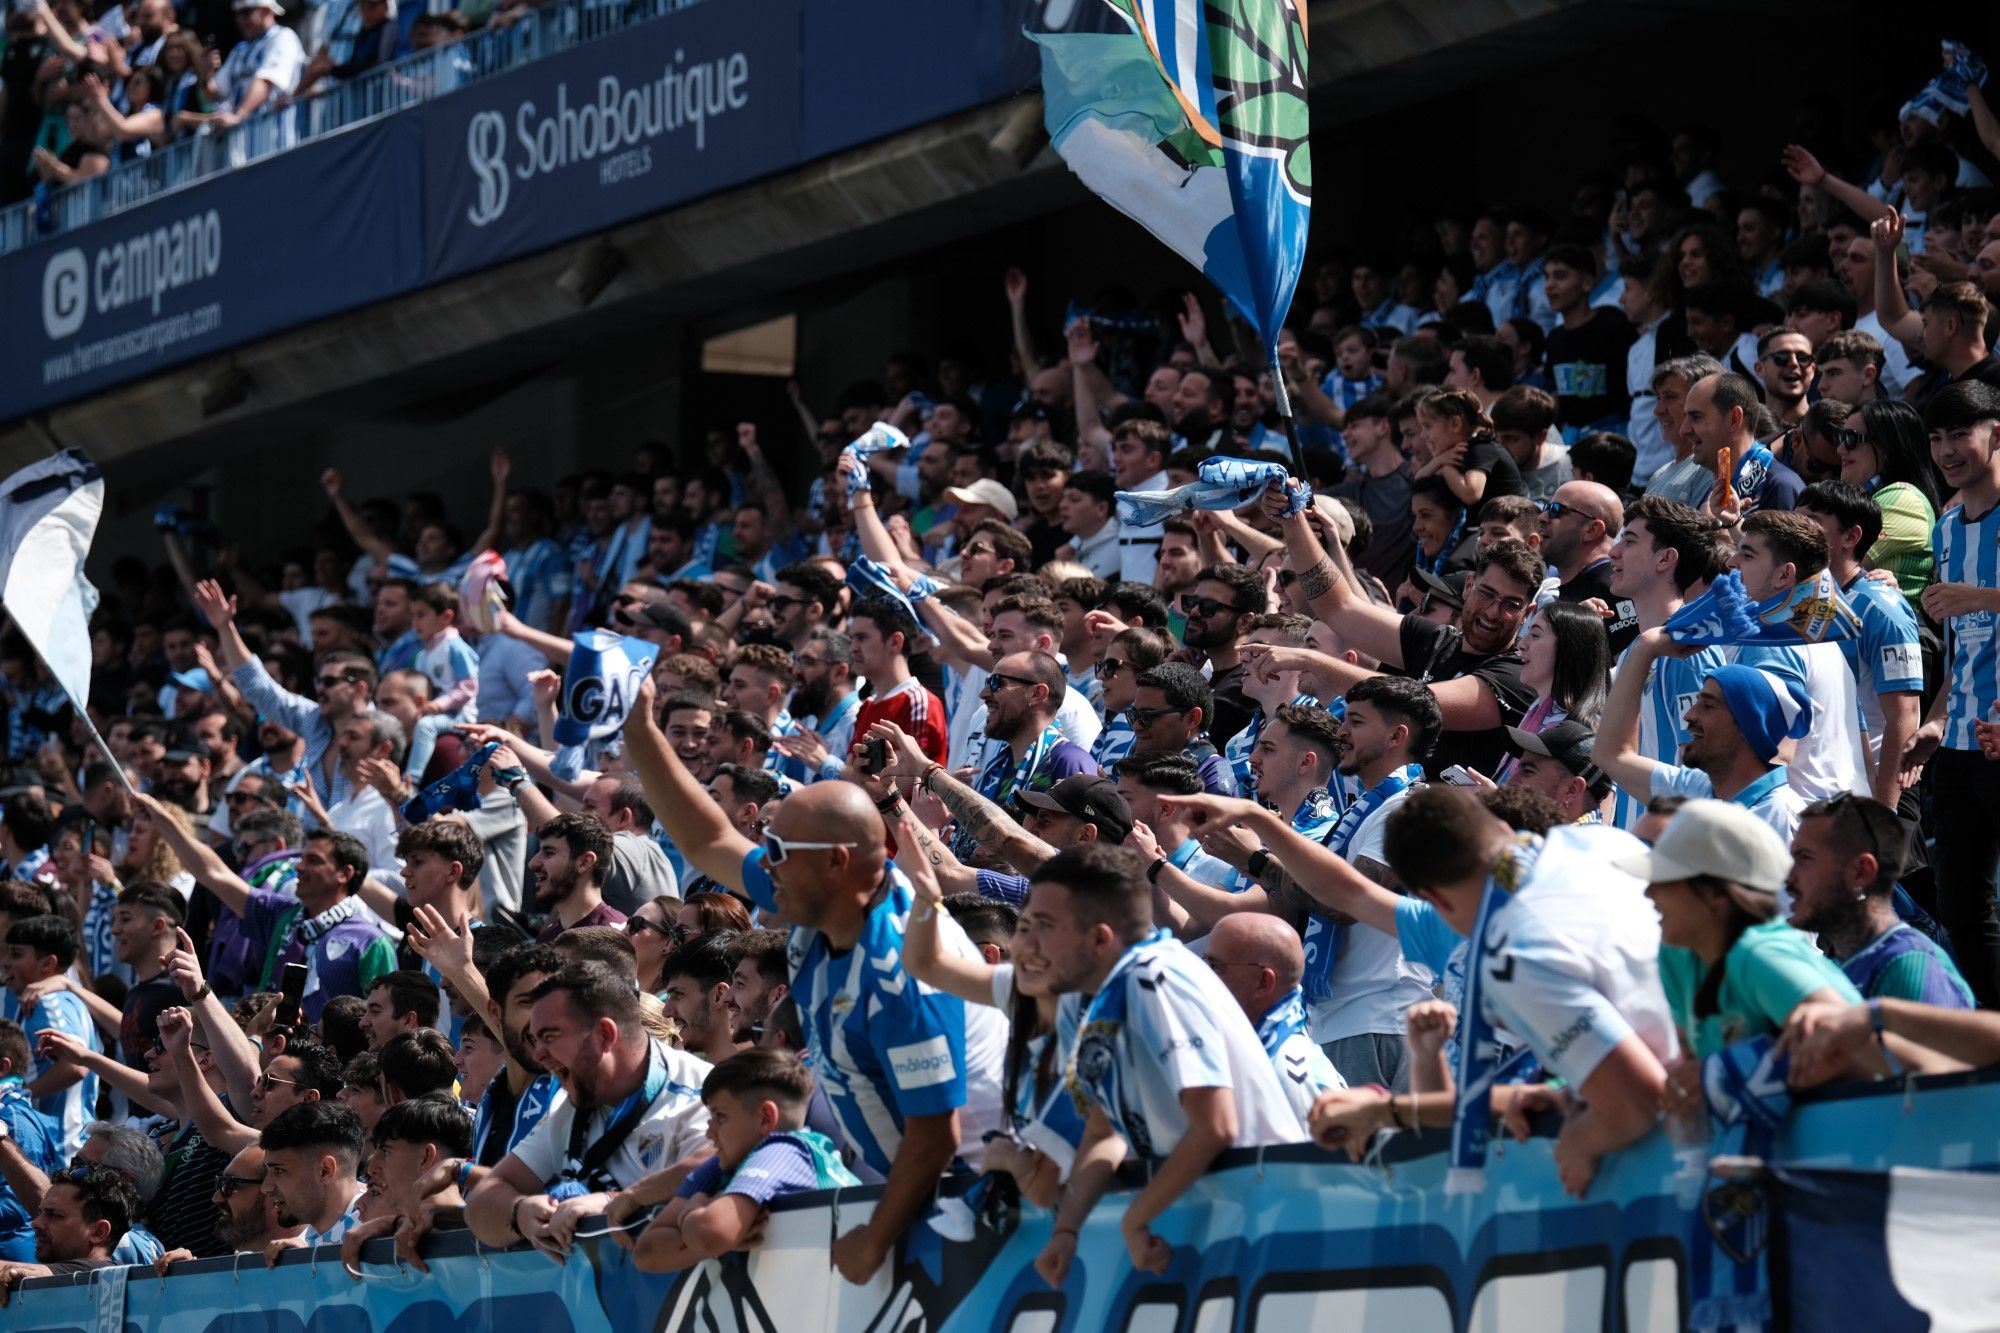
x=1259, y=859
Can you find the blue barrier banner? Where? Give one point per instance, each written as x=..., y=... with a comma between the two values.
x=1283, y=1241
x=300, y=236
x=656, y=115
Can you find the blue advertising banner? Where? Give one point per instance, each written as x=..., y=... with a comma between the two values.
x=666, y=111
x=297, y=237
x=1287, y=1240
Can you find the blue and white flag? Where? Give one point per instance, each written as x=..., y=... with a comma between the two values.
x=1811, y=612
x=1223, y=483
x=1193, y=123
x=605, y=672
x=878, y=438
x=48, y=515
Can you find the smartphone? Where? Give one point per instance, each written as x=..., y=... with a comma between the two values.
x=1459, y=776
x=874, y=756
x=291, y=991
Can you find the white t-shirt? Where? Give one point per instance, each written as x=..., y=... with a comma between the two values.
x=1572, y=961
x=368, y=817
x=1372, y=982
x=674, y=1125
x=1180, y=1029
x=1833, y=756
x=276, y=57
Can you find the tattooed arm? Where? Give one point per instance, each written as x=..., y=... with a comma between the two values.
x=952, y=875
x=987, y=823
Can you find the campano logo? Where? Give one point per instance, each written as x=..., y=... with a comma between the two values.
x=486, y=154
x=65, y=293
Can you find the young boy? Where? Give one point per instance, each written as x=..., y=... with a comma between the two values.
x=1509, y=518
x=452, y=668
x=756, y=1103
x=40, y=947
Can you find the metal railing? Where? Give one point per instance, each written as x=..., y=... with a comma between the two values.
x=384, y=90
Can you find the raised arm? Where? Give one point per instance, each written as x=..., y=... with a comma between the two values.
x=1303, y=864
x=1016, y=285
x=1617, y=751
x=371, y=542
x=977, y=817
x=969, y=979
x=1804, y=168
x=501, y=466
x=199, y=859
x=876, y=543
x=555, y=648
x=1333, y=591
x=210, y=1116
x=960, y=638
x=687, y=812
x=228, y=1045
x=1891, y=306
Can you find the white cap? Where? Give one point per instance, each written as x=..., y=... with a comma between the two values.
x=271, y=5
x=1720, y=840
x=988, y=492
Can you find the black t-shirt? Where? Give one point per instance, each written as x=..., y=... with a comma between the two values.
x=1595, y=581
x=1433, y=652
x=144, y=1004
x=1233, y=709
x=183, y=1214
x=1484, y=454
x=1986, y=371
x=1045, y=538
x=1385, y=498
x=1587, y=364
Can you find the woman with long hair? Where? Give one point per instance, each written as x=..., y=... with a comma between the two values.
x=1886, y=451
x=148, y=856
x=1458, y=436
x=1700, y=255
x=1566, y=661
x=136, y=131
x=651, y=928
x=1731, y=966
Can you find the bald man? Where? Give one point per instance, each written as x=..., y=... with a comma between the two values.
x=1260, y=960
x=1579, y=524
x=913, y=1075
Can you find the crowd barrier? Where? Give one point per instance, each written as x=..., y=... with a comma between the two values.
x=1286, y=1240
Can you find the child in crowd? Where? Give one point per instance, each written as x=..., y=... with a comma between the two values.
x=756, y=1103
x=452, y=668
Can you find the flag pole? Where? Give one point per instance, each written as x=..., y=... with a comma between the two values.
x=82, y=712
x=1284, y=405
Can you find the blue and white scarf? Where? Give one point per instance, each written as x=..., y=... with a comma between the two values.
x=878, y=438
x=1481, y=1065
x=1434, y=564
x=1283, y=1021
x=871, y=578
x=1093, y=1070
x=1811, y=612
x=1322, y=939
x=1002, y=778
x=1223, y=483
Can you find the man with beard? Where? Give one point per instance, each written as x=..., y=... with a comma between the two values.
x=1785, y=365
x=85, y=1212
x=1178, y=566
x=1223, y=596
x=1202, y=406
x=1471, y=665
x=807, y=599
x=1846, y=858
x=248, y=1220
x=312, y=1153
x=645, y=1123
x=515, y=1102
x=1579, y=524
x=759, y=980
x=568, y=874
x=325, y=925
x=400, y=644
x=825, y=705
x=278, y=767
x=1022, y=693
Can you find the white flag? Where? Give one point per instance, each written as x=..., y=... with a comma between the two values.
x=48, y=514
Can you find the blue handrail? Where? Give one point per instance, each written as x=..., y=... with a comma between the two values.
x=382, y=91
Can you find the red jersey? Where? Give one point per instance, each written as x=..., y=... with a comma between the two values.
x=911, y=707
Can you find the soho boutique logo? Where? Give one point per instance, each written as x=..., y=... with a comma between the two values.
x=486, y=154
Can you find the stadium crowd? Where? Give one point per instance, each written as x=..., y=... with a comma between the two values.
x=1262, y=813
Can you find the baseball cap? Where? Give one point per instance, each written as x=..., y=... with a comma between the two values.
x=656, y=615
x=1721, y=840
x=1447, y=588
x=271, y=5
x=1091, y=797
x=1568, y=743
x=985, y=491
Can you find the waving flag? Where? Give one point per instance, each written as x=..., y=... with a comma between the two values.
x=1223, y=483
x=1194, y=125
x=605, y=672
x=1811, y=612
x=48, y=515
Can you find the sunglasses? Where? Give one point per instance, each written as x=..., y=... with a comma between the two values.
x=334, y=682
x=248, y=798
x=1844, y=439
x=226, y=1185
x=1785, y=358
x=784, y=603
x=977, y=548
x=639, y=925
x=996, y=680
x=1146, y=717
x=776, y=849
x=267, y=1081
x=77, y=1173
x=1555, y=509
x=1207, y=606
x=159, y=1048
x=1107, y=667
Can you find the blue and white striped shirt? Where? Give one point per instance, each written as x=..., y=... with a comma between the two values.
x=541, y=575
x=1888, y=658
x=1968, y=551
x=1114, y=742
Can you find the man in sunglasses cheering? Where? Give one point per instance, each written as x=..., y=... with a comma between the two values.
x=913, y=1077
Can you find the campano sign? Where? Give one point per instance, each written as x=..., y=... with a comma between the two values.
x=142, y=268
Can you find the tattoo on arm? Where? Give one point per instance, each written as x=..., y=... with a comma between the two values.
x=1378, y=872
x=979, y=818
x=1317, y=580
